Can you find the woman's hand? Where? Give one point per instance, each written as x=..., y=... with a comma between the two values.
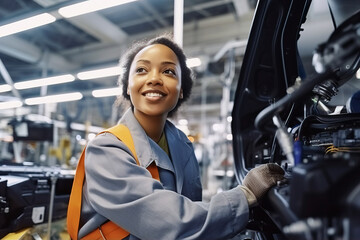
x=260, y=179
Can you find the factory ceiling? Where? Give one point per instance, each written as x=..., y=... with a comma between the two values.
x=96, y=40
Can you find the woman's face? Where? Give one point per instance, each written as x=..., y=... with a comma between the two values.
x=155, y=81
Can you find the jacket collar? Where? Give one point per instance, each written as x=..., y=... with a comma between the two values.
x=180, y=152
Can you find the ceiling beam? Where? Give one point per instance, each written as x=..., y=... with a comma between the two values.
x=99, y=27
x=27, y=52
x=5, y=74
x=198, y=8
x=92, y=23
x=207, y=38
x=241, y=7
x=155, y=13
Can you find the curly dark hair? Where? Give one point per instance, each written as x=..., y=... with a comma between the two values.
x=186, y=73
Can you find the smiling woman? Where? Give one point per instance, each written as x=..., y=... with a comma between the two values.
x=144, y=170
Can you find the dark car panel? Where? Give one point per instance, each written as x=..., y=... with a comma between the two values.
x=284, y=115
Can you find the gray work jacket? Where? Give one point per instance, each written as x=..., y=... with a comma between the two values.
x=116, y=188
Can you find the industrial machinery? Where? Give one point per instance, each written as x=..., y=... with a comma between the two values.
x=31, y=195
x=293, y=122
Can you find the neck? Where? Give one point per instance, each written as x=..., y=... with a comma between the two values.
x=152, y=125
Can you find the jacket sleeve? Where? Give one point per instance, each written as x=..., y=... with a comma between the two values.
x=125, y=193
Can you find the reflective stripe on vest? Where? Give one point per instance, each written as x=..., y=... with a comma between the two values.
x=108, y=230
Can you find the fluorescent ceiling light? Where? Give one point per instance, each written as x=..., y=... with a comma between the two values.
x=99, y=73
x=10, y=104
x=89, y=6
x=193, y=62
x=5, y=88
x=44, y=81
x=27, y=23
x=107, y=92
x=54, y=98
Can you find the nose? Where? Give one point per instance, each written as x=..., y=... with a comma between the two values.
x=155, y=78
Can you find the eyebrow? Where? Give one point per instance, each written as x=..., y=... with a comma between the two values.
x=163, y=63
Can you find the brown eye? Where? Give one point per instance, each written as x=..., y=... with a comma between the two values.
x=170, y=72
x=140, y=70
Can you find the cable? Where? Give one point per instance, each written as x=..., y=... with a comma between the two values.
x=273, y=145
x=304, y=89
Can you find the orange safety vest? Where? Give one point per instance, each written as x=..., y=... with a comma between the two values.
x=108, y=230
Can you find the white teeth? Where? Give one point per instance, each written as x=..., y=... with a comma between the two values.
x=152, y=94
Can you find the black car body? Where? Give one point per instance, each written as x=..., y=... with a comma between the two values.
x=283, y=114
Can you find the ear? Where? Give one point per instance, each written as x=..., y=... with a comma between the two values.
x=181, y=95
x=128, y=92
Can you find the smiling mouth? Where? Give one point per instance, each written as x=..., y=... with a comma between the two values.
x=153, y=94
